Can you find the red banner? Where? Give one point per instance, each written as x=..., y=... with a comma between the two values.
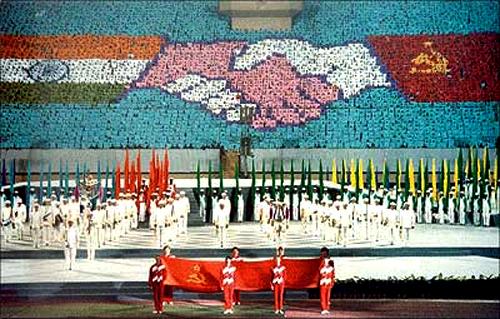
x=204, y=276
x=443, y=68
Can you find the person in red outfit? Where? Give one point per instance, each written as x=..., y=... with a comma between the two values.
x=227, y=285
x=155, y=282
x=235, y=255
x=278, y=285
x=168, y=291
x=326, y=282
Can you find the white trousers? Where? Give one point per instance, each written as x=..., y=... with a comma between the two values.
x=222, y=235
x=70, y=256
x=36, y=234
x=46, y=234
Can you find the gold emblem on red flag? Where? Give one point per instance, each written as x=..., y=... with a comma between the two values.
x=432, y=62
x=196, y=277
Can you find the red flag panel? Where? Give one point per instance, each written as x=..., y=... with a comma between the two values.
x=443, y=68
x=204, y=276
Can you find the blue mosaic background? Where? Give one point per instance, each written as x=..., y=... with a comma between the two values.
x=379, y=118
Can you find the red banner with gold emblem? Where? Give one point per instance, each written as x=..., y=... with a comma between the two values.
x=204, y=276
x=442, y=68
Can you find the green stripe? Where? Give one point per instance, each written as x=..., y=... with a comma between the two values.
x=64, y=93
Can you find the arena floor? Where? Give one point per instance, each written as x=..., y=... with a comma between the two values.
x=432, y=250
x=342, y=308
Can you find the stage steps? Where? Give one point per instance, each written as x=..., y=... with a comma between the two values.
x=194, y=219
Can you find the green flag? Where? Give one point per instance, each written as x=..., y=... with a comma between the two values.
x=292, y=183
x=40, y=193
x=84, y=171
x=99, y=173
x=321, y=182
x=426, y=176
x=209, y=195
x=77, y=178
x=237, y=188
x=60, y=178
x=12, y=178
x=302, y=179
x=369, y=178
x=358, y=175
x=107, y=178
x=221, y=178
x=407, y=179
x=66, y=184
x=252, y=196
x=198, y=181
x=420, y=172
x=263, y=189
x=343, y=178
x=28, y=187
x=282, y=181
x=309, y=180
x=460, y=161
x=398, y=176
x=273, y=181
x=49, y=180
x=385, y=175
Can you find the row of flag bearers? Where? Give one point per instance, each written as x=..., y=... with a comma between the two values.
x=162, y=294
x=458, y=206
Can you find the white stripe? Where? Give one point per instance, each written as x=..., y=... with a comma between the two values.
x=71, y=71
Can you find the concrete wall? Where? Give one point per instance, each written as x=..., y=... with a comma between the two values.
x=185, y=160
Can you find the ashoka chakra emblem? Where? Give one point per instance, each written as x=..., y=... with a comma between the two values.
x=48, y=71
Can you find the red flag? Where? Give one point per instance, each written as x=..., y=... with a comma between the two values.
x=131, y=181
x=167, y=168
x=204, y=276
x=157, y=171
x=117, y=181
x=138, y=170
x=126, y=168
x=443, y=68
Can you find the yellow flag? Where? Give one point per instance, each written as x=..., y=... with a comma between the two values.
x=445, y=178
x=411, y=171
x=334, y=172
x=360, y=172
x=455, y=177
x=353, y=174
x=423, y=178
x=495, y=175
x=434, y=179
x=373, y=177
x=478, y=168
